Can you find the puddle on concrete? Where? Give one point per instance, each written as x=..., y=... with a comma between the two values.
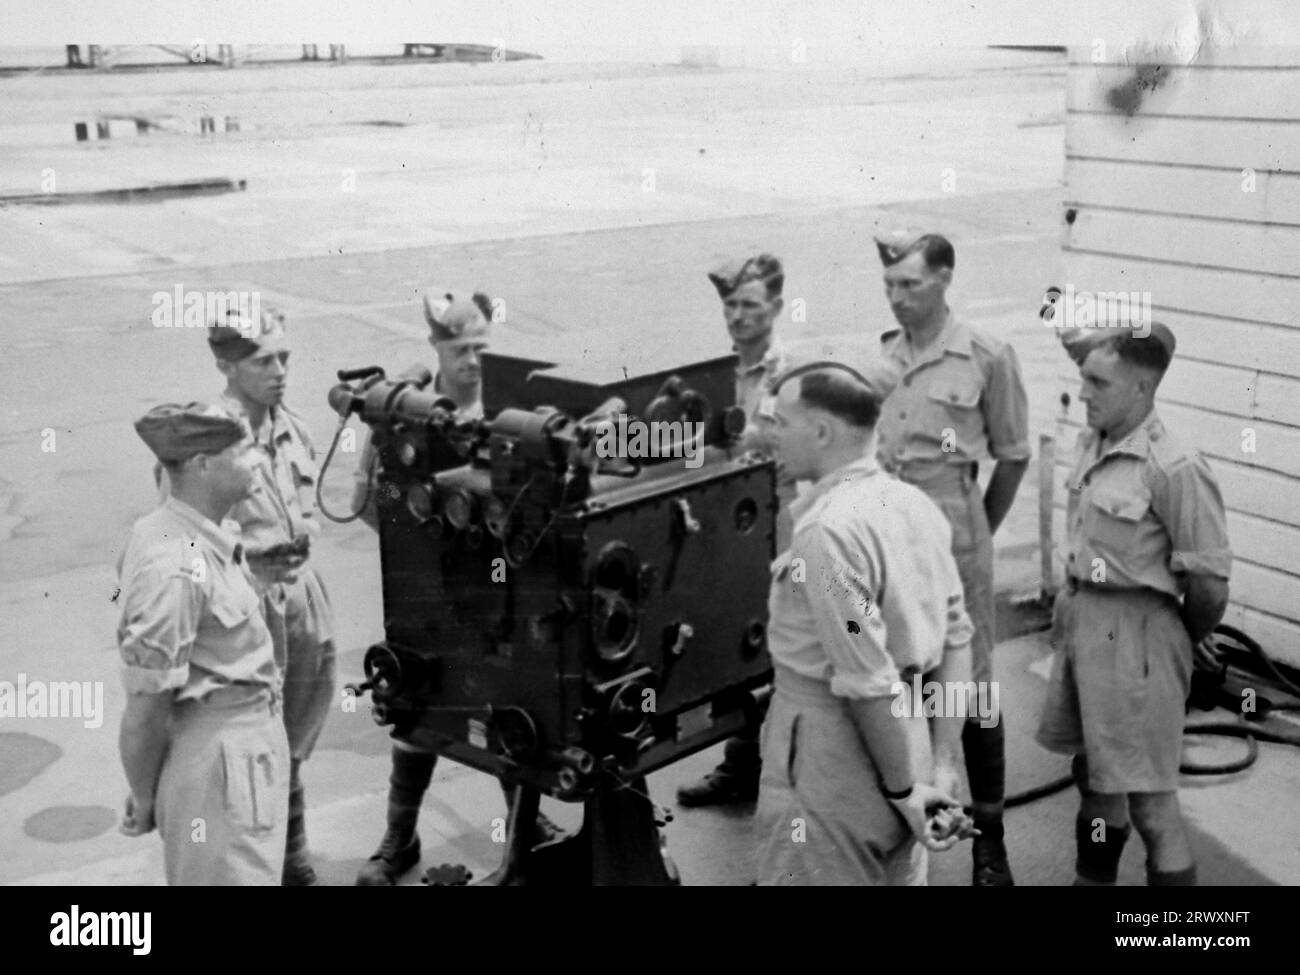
x=22, y=758
x=67, y=824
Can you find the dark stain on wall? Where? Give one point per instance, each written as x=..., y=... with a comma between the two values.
x=1128, y=96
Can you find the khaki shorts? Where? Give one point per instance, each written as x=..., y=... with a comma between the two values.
x=821, y=818
x=1120, y=678
x=223, y=796
x=310, y=664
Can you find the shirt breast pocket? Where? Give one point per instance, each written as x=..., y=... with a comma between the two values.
x=955, y=404
x=1113, y=519
x=233, y=609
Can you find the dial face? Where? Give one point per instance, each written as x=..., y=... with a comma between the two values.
x=458, y=509
x=407, y=453
x=494, y=516
x=420, y=502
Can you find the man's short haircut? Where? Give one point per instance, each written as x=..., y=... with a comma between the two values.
x=839, y=393
x=935, y=248
x=174, y=467
x=1141, y=351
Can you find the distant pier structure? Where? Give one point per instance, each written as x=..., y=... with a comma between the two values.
x=200, y=53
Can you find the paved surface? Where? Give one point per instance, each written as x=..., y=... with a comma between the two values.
x=592, y=201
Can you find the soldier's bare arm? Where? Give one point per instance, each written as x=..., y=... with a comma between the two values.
x=143, y=746
x=1204, y=605
x=1001, y=492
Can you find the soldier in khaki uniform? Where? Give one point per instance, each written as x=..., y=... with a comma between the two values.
x=1147, y=567
x=960, y=401
x=750, y=291
x=841, y=761
x=459, y=330
x=202, y=740
x=254, y=359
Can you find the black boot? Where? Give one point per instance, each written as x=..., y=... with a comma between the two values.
x=735, y=781
x=989, y=856
x=399, y=850
x=986, y=769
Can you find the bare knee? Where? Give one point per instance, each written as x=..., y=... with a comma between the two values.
x=1155, y=812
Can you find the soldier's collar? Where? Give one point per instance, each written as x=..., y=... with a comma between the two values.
x=1138, y=441
x=852, y=471
x=954, y=337
x=220, y=540
x=770, y=362
x=279, y=422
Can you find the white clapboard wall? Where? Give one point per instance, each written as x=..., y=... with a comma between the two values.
x=1194, y=197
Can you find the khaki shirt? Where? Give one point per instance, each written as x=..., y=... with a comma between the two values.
x=868, y=588
x=1143, y=513
x=959, y=401
x=283, y=503
x=281, y=507
x=191, y=620
x=752, y=396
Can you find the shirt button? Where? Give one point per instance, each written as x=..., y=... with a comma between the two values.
x=1071, y=556
x=907, y=381
x=902, y=414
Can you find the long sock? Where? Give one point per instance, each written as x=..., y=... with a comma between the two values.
x=986, y=769
x=1098, y=859
x=412, y=772
x=1172, y=878
x=295, y=843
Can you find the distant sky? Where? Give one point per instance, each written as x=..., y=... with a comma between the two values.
x=652, y=25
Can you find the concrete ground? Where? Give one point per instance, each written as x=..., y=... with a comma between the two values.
x=592, y=200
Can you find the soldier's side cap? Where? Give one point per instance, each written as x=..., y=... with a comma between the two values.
x=243, y=332
x=894, y=245
x=453, y=317
x=728, y=277
x=1161, y=333
x=176, y=433
x=850, y=355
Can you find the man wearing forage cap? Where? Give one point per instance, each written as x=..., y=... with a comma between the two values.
x=750, y=290
x=866, y=597
x=1147, y=567
x=960, y=401
x=202, y=741
x=278, y=521
x=459, y=329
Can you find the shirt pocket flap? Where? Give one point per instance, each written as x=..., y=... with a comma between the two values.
x=1124, y=507
x=963, y=394
x=233, y=608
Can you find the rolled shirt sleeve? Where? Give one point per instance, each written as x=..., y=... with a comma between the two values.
x=1186, y=499
x=843, y=590
x=1006, y=408
x=157, y=629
